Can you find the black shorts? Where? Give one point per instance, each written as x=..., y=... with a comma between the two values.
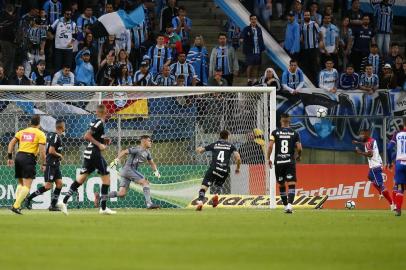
x=285, y=172
x=25, y=165
x=95, y=162
x=253, y=60
x=214, y=177
x=52, y=173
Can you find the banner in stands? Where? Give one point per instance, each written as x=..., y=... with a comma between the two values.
x=341, y=183
x=337, y=133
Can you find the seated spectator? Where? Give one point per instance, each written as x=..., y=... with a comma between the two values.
x=270, y=78
x=165, y=78
x=233, y=34
x=91, y=45
x=143, y=77
x=328, y=78
x=123, y=76
x=40, y=76
x=253, y=46
x=183, y=27
x=173, y=41
x=180, y=81
x=84, y=72
x=198, y=58
x=369, y=81
x=168, y=12
x=394, y=52
x=398, y=70
x=314, y=13
x=293, y=78
x=329, y=48
x=122, y=59
x=107, y=73
x=64, y=77
x=184, y=68
x=217, y=79
x=292, y=37
x=345, y=43
x=349, y=80
x=19, y=78
x=3, y=77
x=373, y=59
x=159, y=55
x=388, y=79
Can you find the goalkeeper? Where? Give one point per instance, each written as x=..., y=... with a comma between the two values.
x=137, y=155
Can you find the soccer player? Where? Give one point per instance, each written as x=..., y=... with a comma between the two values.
x=129, y=173
x=31, y=141
x=288, y=150
x=93, y=160
x=399, y=141
x=219, y=169
x=52, y=170
x=374, y=162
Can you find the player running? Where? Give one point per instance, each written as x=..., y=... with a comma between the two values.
x=93, y=160
x=219, y=169
x=31, y=141
x=375, y=174
x=399, y=141
x=129, y=173
x=52, y=170
x=287, y=142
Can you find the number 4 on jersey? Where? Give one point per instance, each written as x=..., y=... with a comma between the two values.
x=220, y=156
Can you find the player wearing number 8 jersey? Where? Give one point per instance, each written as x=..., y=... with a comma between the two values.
x=286, y=142
x=219, y=169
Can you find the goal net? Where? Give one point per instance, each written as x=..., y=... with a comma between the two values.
x=178, y=120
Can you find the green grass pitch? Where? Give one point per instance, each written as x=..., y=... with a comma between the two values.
x=211, y=239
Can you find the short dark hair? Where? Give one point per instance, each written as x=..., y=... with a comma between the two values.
x=59, y=123
x=221, y=34
x=394, y=44
x=349, y=66
x=368, y=65
x=285, y=115
x=365, y=15
x=252, y=15
x=144, y=137
x=160, y=35
x=35, y=120
x=328, y=59
x=66, y=65
x=293, y=61
x=365, y=129
x=374, y=46
x=224, y=134
x=182, y=8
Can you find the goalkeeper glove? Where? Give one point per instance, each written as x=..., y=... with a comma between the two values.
x=114, y=164
x=157, y=174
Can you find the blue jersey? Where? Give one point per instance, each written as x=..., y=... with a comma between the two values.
x=36, y=35
x=330, y=36
x=185, y=35
x=384, y=17
x=233, y=33
x=82, y=21
x=184, y=69
x=362, y=39
x=310, y=33
x=53, y=10
x=328, y=79
x=125, y=81
x=139, y=34
x=349, y=81
x=197, y=57
x=369, y=81
x=293, y=80
x=142, y=79
x=158, y=57
x=292, y=38
x=161, y=80
x=222, y=61
x=376, y=62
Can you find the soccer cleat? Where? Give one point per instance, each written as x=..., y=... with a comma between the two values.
x=16, y=210
x=54, y=209
x=199, y=206
x=393, y=207
x=398, y=213
x=96, y=199
x=215, y=200
x=153, y=206
x=107, y=211
x=28, y=204
x=63, y=207
x=288, y=209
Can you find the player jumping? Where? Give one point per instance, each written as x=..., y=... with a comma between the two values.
x=52, y=170
x=374, y=162
x=129, y=173
x=219, y=167
x=399, y=141
x=286, y=141
x=93, y=160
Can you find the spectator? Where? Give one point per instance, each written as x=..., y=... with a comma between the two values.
x=123, y=41
x=223, y=57
x=198, y=58
x=388, y=79
x=398, y=70
x=3, y=77
x=8, y=22
x=311, y=36
x=106, y=75
x=40, y=76
x=64, y=76
x=363, y=37
x=383, y=15
x=173, y=41
x=263, y=8
x=314, y=14
x=328, y=79
x=165, y=78
x=346, y=41
x=43, y=19
x=36, y=45
x=139, y=35
x=143, y=77
x=19, y=78
x=217, y=79
x=253, y=46
x=159, y=55
x=233, y=33
x=122, y=59
x=22, y=34
x=270, y=78
x=85, y=19
x=84, y=72
x=355, y=14
x=394, y=52
x=123, y=77
x=183, y=27
x=292, y=37
x=369, y=81
x=108, y=47
x=108, y=8
x=373, y=59
x=349, y=80
x=330, y=42
x=180, y=81
x=293, y=78
x=90, y=44
x=168, y=13
x=65, y=35
x=53, y=10
x=328, y=10
x=185, y=69
x=298, y=12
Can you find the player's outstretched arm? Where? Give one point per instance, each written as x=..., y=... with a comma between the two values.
x=200, y=150
x=10, y=151
x=237, y=161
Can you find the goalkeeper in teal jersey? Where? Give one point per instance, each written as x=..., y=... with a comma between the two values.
x=129, y=172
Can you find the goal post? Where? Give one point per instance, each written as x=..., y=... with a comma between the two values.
x=179, y=119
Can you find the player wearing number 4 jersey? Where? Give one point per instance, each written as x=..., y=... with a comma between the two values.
x=286, y=141
x=219, y=169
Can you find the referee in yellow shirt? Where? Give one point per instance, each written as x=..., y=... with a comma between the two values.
x=31, y=141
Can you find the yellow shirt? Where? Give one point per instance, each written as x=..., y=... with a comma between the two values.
x=29, y=139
